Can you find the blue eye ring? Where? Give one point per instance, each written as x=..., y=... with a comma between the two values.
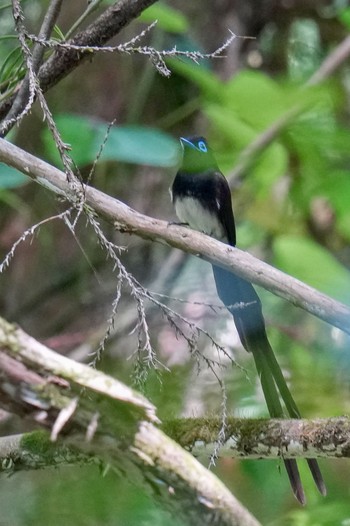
x=202, y=146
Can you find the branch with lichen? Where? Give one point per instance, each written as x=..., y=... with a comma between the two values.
x=93, y=418
x=264, y=438
x=95, y=415
x=244, y=438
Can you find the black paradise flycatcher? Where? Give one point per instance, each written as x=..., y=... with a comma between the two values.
x=202, y=199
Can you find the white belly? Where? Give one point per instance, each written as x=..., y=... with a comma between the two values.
x=188, y=210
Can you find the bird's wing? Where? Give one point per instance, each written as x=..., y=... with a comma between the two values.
x=224, y=206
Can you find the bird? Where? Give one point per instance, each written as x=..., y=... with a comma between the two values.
x=202, y=200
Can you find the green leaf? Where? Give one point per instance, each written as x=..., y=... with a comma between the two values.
x=11, y=178
x=169, y=19
x=272, y=162
x=337, y=190
x=200, y=75
x=343, y=225
x=309, y=262
x=230, y=125
x=140, y=145
x=131, y=144
x=344, y=17
x=78, y=132
x=256, y=98
x=270, y=165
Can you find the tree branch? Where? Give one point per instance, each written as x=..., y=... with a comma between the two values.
x=63, y=61
x=97, y=415
x=35, y=450
x=127, y=220
x=263, y=438
x=246, y=438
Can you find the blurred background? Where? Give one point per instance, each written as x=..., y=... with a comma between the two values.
x=292, y=208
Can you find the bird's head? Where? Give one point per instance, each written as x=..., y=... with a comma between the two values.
x=197, y=156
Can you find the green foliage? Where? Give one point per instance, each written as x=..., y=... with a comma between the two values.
x=307, y=159
x=344, y=17
x=11, y=69
x=308, y=261
x=131, y=144
x=11, y=178
x=81, y=496
x=328, y=514
x=11, y=60
x=311, y=147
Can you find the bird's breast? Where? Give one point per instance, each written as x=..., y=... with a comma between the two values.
x=190, y=210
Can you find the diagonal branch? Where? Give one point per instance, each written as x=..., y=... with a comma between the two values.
x=127, y=220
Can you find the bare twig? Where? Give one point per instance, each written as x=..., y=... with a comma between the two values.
x=222, y=431
x=26, y=94
x=63, y=61
x=147, y=357
x=331, y=63
x=29, y=232
x=156, y=57
x=69, y=55
x=35, y=91
x=63, y=417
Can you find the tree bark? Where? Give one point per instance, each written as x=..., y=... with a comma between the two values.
x=263, y=438
x=99, y=416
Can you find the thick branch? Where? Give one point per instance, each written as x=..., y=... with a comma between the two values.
x=263, y=438
x=99, y=416
x=36, y=450
x=244, y=438
x=128, y=220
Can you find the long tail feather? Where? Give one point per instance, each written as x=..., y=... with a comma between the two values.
x=293, y=412
x=287, y=398
x=317, y=476
x=250, y=325
x=274, y=406
x=295, y=481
